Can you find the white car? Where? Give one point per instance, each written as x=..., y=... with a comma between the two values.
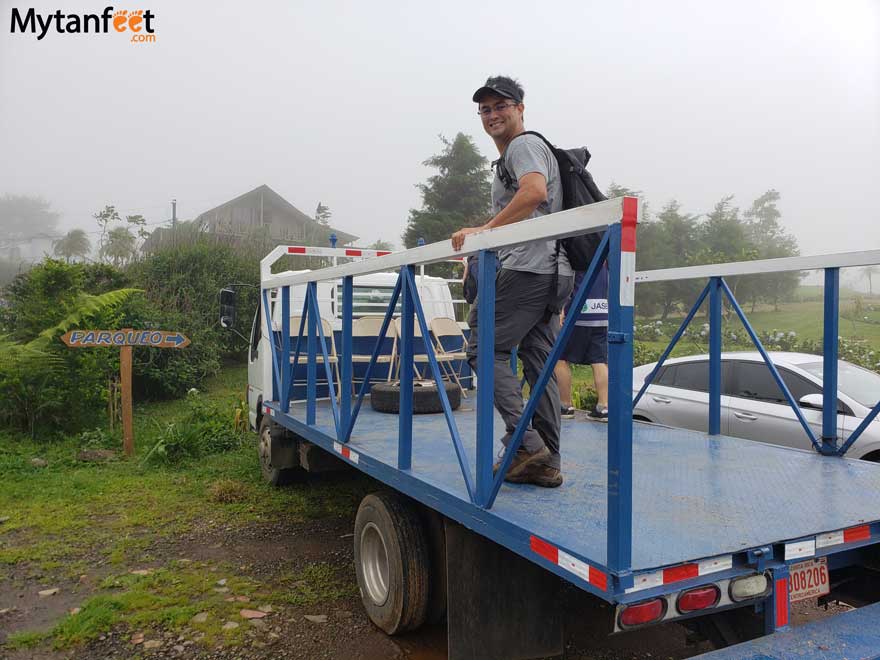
x=752, y=404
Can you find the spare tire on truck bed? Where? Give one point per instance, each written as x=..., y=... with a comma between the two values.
x=385, y=397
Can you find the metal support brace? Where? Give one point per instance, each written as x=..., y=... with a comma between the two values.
x=311, y=365
x=773, y=371
x=715, y=356
x=314, y=312
x=434, y=366
x=829, y=361
x=776, y=614
x=620, y=356
x=404, y=441
x=286, y=371
x=274, y=349
x=486, y=374
x=578, y=299
x=346, y=384
x=386, y=322
x=675, y=338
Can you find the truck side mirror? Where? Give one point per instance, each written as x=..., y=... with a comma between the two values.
x=227, y=308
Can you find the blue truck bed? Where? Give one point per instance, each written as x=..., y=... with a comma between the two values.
x=854, y=635
x=695, y=496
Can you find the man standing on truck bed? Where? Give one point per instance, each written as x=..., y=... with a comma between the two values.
x=526, y=284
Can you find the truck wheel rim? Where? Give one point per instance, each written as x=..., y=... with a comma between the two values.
x=374, y=564
x=266, y=449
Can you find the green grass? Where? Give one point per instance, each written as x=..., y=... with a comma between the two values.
x=316, y=583
x=66, y=515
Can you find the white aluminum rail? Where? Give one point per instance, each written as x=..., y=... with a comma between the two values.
x=314, y=251
x=584, y=219
x=781, y=265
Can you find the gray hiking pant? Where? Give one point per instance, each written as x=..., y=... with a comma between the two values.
x=521, y=301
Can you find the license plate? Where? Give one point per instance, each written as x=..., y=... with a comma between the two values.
x=808, y=579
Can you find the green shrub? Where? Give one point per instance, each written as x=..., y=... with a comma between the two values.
x=584, y=397
x=56, y=390
x=206, y=429
x=644, y=354
x=181, y=288
x=98, y=438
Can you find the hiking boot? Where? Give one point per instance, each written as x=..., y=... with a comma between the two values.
x=567, y=412
x=521, y=460
x=599, y=413
x=539, y=475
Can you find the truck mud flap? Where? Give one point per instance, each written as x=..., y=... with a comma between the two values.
x=500, y=606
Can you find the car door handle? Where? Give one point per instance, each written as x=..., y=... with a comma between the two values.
x=746, y=416
x=661, y=399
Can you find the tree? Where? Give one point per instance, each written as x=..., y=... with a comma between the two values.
x=23, y=217
x=671, y=241
x=323, y=214
x=140, y=222
x=869, y=272
x=73, y=244
x=105, y=217
x=724, y=238
x=457, y=197
x=381, y=245
x=120, y=246
x=616, y=190
x=770, y=241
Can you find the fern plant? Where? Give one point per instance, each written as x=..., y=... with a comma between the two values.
x=84, y=308
x=36, y=376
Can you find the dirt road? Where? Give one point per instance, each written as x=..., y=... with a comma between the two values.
x=294, y=578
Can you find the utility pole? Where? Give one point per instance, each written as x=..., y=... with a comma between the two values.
x=173, y=222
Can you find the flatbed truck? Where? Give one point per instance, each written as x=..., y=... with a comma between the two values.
x=661, y=524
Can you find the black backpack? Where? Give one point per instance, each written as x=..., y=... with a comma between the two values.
x=578, y=189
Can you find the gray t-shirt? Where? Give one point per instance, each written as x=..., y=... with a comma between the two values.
x=525, y=154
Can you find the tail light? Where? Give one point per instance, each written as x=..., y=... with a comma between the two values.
x=639, y=614
x=700, y=598
x=750, y=586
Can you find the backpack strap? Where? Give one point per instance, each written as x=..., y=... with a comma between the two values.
x=503, y=174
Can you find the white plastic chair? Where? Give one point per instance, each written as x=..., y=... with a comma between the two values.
x=443, y=359
x=369, y=326
x=443, y=326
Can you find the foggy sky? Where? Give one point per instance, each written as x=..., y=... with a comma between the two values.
x=340, y=102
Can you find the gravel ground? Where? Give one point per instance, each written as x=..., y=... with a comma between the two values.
x=262, y=552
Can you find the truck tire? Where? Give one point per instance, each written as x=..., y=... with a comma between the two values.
x=273, y=434
x=392, y=562
x=385, y=397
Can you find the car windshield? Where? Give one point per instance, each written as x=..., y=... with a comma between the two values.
x=860, y=384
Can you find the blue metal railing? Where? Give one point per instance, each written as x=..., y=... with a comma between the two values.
x=482, y=487
x=717, y=287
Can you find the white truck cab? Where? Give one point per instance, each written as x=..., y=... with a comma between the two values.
x=372, y=294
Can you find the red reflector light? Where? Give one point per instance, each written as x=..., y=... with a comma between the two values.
x=639, y=614
x=698, y=599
